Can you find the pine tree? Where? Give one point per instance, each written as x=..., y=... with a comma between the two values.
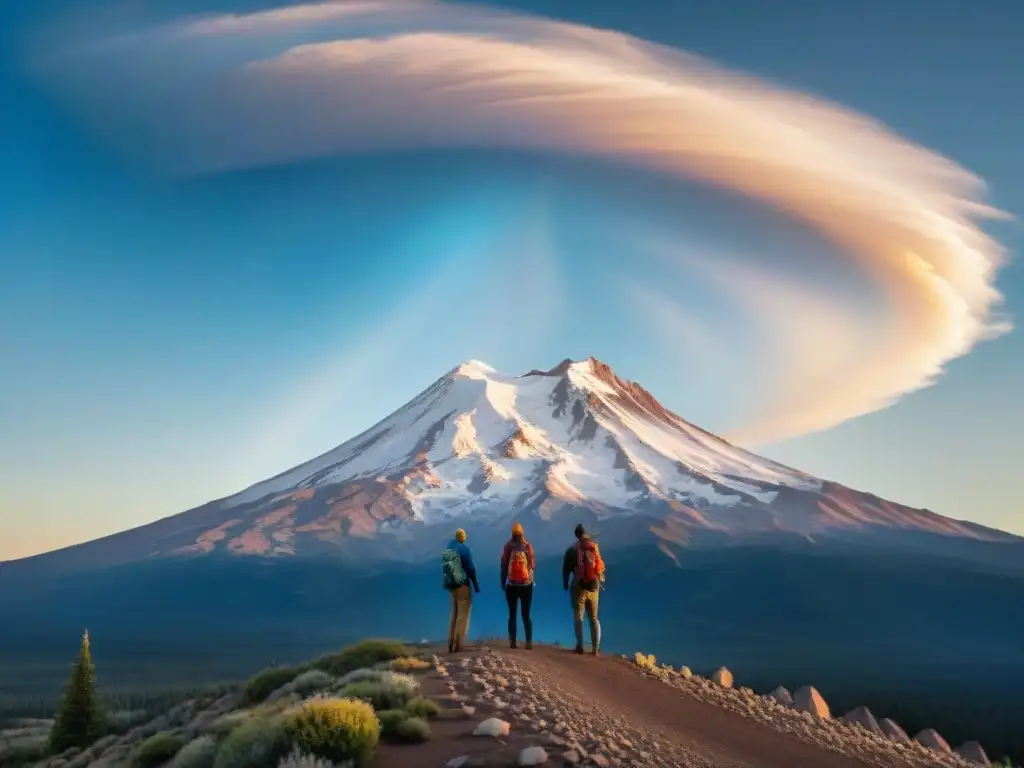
x=79, y=721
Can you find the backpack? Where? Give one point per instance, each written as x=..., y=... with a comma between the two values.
x=589, y=567
x=519, y=566
x=451, y=569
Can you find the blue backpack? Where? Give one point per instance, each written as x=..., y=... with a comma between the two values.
x=451, y=569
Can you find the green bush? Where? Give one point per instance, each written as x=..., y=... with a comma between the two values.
x=156, y=750
x=264, y=683
x=377, y=694
x=310, y=681
x=363, y=674
x=336, y=729
x=259, y=742
x=362, y=654
x=389, y=720
x=423, y=707
x=412, y=731
x=198, y=753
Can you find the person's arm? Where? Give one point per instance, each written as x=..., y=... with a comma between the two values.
x=504, y=565
x=568, y=566
x=600, y=563
x=533, y=557
x=468, y=567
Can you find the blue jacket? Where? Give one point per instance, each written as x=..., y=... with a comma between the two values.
x=467, y=561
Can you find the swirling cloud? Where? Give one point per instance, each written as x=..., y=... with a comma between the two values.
x=231, y=91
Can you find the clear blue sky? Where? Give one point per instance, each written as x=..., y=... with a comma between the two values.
x=164, y=343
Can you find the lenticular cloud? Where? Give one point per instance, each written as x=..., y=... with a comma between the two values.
x=225, y=92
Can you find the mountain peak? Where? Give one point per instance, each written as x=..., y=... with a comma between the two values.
x=473, y=369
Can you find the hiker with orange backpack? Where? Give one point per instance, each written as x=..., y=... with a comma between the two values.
x=518, y=564
x=584, y=564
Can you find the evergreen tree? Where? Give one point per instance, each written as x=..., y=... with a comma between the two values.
x=79, y=720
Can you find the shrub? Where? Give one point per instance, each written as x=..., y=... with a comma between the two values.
x=297, y=759
x=423, y=707
x=259, y=742
x=264, y=683
x=79, y=720
x=198, y=753
x=334, y=728
x=396, y=681
x=389, y=720
x=377, y=694
x=156, y=750
x=645, y=662
x=410, y=664
x=310, y=681
x=363, y=654
x=412, y=731
x=363, y=674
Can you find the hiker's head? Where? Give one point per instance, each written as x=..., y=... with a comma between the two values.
x=517, y=529
x=580, y=531
x=460, y=535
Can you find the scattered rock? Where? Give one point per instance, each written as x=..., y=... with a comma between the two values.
x=972, y=752
x=492, y=726
x=685, y=672
x=457, y=762
x=862, y=716
x=533, y=756
x=891, y=729
x=783, y=696
x=723, y=677
x=807, y=699
x=931, y=738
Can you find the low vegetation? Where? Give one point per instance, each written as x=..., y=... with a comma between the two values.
x=282, y=717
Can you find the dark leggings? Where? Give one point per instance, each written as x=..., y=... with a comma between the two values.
x=524, y=596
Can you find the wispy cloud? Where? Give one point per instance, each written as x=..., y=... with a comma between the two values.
x=226, y=92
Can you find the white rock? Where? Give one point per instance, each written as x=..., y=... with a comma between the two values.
x=723, y=677
x=807, y=699
x=783, y=696
x=891, y=729
x=930, y=738
x=492, y=726
x=457, y=762
x=685, y=672
x=533, y=756
x=862, y=716
x=972, y=752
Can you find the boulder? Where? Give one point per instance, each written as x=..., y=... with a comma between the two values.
x=931, y=738
x=533, y=756
x=862, y=716
x=807, y=699
x=723, y=677
x=492, y=726
x=891, y=729
x=973, y=752
x=685, y=672
x=782, y=696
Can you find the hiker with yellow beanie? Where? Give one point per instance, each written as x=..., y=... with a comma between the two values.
x=518, y=564
x=458, y=572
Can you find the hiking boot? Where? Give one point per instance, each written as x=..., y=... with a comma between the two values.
x=512, y=644
x=528, y=646
x=595, y=652
x=578, y=649
x=451, y=646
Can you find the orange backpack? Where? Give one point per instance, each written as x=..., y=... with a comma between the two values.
x=589, y=566
x=519, y=566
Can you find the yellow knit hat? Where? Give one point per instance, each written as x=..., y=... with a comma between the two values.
x=460, y=535
x=517, y=529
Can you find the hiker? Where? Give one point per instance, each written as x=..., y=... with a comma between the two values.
x=583, y=562
x=517, y=567
x=459, y=573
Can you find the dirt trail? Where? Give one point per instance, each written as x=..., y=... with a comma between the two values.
x=701, y=728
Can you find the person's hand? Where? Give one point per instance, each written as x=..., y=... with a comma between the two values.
x=476, y=589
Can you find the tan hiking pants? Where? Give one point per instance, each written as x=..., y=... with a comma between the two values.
x=458, y=621
x=585, y=601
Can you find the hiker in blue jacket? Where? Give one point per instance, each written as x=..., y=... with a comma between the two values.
x=459, y=572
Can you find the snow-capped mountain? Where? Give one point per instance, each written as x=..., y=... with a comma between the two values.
x=478, y=449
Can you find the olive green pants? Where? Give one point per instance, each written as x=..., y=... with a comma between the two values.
x=458, y=621
x=585, y=601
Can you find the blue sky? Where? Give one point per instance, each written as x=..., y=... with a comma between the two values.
x=165, y=342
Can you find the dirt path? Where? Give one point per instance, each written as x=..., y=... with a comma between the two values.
x=716, y=734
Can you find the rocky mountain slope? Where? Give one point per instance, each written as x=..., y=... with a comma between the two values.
x=478, y=448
